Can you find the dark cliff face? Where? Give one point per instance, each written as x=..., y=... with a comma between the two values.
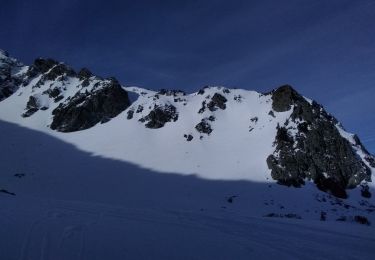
x=316, y=152
x=105, y=100
x=48, y=69
x=284, y=97
x=86, y=109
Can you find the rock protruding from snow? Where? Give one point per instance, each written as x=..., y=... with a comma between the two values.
x=159, y=116
x=31, y=107
x=85, y=109
x=171, y=92
x=309, y=146
x=204, y=127
x=217, y=101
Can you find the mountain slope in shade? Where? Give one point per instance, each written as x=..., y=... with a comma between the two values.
x=69, y=204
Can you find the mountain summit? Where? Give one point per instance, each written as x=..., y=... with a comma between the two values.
x=216, y=133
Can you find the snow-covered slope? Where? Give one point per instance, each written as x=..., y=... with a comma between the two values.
x=166, y=149
x=91, y=162
x=220, y=154
x=69, y=204
x=215, y=133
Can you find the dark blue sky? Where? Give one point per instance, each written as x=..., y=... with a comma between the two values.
x=324, y=48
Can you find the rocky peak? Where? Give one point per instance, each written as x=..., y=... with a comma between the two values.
x=84, y=73
x=42, y=65
x=75, y=105
x=284, y=97
x=50, y=69
x=9, y=74
x=309, y=146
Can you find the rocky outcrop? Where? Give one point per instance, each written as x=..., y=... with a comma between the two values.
x=217, y=101
x=58, y=71
x=31, y=107
x=92, y=100
x=316, y=151
x=50, y=70
x=204, y=127
x=54, y=93
x=130, y=114
x=10, y=79
x=84, y=73
x=171, y=92
x=41, y=66
x=159, y=116
x=86, y=109
x=188, y=137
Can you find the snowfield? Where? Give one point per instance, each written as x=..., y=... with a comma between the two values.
x=70, y=204
x=130, y=141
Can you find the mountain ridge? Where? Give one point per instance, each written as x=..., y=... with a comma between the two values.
x=294, y=138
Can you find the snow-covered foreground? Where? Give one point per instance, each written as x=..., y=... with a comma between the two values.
x=69, y=204
x=52, y=229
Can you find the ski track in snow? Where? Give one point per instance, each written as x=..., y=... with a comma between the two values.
x=83, y=231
